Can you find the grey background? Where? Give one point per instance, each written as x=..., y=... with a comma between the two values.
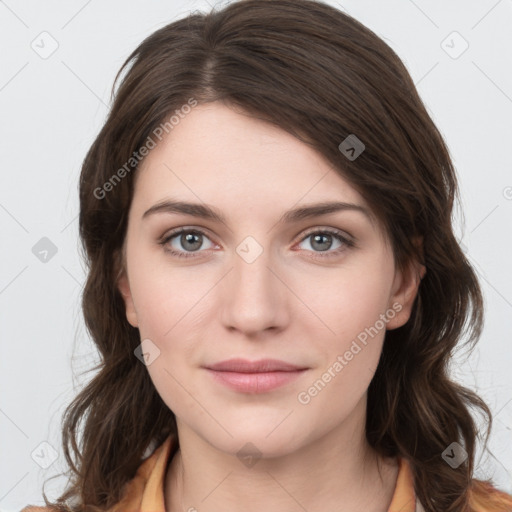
x=51, y=110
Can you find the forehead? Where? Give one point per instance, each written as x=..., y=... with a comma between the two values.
x=225, y=157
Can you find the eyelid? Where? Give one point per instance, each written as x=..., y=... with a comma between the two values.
x=180, y=229
x=327, y=229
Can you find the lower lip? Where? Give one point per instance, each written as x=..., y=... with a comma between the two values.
x=255, y=382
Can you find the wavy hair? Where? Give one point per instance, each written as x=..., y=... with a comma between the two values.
x=321, y=75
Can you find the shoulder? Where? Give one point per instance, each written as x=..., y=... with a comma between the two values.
x=484, y=497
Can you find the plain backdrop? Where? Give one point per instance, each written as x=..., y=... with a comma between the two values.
x=459, y=54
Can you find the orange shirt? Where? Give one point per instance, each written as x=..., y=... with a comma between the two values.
x=145, y=491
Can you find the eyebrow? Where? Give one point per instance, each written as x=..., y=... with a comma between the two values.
x=205, y=211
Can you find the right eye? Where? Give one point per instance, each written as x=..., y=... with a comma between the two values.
x=190, y=240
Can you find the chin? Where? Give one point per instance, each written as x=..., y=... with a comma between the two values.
x=257, y=442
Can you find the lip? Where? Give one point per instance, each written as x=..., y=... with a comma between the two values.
x=254, y=376
x=261, y=366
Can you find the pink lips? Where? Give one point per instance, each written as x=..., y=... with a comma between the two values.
x=254, y=377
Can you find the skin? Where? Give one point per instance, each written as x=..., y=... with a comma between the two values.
x=286, y=304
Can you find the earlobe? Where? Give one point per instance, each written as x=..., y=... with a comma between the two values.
x=405, y=286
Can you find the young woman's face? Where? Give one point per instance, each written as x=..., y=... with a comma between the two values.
x=264, y=283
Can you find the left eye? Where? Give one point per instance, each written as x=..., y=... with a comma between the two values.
x=191, y=241
x=321, y=239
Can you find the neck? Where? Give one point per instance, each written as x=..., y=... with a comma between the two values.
x=337, y=471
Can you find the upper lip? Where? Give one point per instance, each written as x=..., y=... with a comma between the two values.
x=263, y=365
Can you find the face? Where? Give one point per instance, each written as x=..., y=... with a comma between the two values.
x=317, y=292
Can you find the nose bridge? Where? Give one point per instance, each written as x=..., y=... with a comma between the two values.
x=251, y=265
x=254, y=295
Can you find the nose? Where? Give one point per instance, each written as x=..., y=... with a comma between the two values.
x=254, y=297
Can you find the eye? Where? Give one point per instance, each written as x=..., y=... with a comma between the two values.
x=189, y=239
x=321, y=242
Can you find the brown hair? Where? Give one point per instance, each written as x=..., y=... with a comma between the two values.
x=321, y=75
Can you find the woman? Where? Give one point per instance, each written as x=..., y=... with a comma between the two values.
x=258, y=368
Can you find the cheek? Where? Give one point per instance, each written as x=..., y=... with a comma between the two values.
x=166, y=298
x=347, y=301
x=350, y=350
x=350, y=308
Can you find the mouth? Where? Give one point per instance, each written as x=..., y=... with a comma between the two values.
x=254, y=377
x=263, y=365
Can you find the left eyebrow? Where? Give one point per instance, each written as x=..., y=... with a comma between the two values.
x=314, y=210
x=208, y=212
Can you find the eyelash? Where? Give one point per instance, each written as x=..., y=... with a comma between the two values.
x=318, y=254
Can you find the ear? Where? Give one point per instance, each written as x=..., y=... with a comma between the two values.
x=123, y=286
x=405, y=290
